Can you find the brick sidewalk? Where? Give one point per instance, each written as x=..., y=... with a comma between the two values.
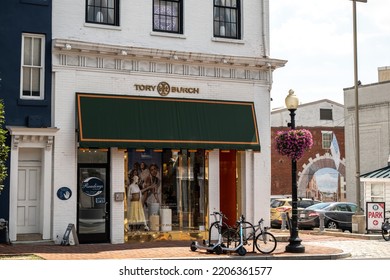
x=164, y=250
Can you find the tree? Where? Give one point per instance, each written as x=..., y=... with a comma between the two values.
x=4, y=149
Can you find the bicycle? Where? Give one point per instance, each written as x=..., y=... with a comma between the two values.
x=386, y=228
x=265, y=242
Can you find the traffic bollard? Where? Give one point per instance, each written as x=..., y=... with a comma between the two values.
x=284, y=221
x=322, y=220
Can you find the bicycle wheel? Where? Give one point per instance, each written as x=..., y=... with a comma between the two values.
x=266, y=242
x=386, y=234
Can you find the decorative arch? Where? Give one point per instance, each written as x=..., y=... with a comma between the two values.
x=319, y=162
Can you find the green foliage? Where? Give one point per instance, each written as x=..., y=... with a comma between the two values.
x=4, y=149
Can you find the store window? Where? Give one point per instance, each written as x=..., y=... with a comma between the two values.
x=168, y=16
x=103, y=12
x=227, y=19
x=32, y=70
x=173, y=189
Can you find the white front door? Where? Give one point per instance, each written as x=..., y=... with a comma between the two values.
x=28, y=205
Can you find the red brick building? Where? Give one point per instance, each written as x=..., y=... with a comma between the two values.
x=318, y=158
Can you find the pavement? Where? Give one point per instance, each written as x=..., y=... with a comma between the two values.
x=170, y=249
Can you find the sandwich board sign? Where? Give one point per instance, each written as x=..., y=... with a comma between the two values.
x=375, y=215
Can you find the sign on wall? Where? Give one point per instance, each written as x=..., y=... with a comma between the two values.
x=375, y=215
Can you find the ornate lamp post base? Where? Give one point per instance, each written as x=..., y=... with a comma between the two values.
x=295, y=246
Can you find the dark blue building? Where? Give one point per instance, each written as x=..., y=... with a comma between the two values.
x=25, y=87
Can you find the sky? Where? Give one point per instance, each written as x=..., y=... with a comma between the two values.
x=316, y=38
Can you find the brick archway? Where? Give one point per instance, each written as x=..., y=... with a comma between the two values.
x=319, y=162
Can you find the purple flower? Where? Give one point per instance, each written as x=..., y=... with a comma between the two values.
x=293, y=142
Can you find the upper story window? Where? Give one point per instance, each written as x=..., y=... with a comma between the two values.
x=326, y=114
x=168, y=16
x=326, y=139
x=32, y=68
x=103, y=12
x=227, y=19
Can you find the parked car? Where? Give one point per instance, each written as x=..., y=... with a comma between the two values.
x=337, y=215
x=284, y=205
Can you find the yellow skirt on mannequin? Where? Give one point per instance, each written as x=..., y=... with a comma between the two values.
x=136, y=215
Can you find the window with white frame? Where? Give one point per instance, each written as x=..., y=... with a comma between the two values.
x=167, y=16
x=326, y=139
x=103, y=12
x=377, y=192
x=227, y=19
x=32, y=68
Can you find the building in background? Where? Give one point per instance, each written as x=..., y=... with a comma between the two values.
x=374, y=121
x=321, y=170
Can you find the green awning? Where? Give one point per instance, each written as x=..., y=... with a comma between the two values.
x=142, y=122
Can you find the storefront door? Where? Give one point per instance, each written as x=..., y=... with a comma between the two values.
x=29, y=198
x=228, y=181
x=93, y=204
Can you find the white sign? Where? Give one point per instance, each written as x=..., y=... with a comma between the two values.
x=375, y=215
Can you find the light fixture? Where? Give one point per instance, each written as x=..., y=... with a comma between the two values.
x=291, y=100
x=140, y=150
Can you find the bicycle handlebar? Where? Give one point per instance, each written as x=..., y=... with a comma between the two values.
x=219, y=214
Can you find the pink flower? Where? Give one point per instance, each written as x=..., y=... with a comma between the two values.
x=293, y=143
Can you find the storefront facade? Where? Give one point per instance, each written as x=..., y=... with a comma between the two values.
x=207, y=151
x=171, y=133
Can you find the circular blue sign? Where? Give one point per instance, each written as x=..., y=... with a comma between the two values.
x=92, y=186
x=64, y=193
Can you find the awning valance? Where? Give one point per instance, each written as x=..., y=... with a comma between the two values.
x=142, y=122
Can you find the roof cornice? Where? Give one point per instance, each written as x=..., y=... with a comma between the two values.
x=67, y=46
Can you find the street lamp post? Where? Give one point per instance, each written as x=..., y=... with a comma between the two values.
x=294, y=245
x=358, y=218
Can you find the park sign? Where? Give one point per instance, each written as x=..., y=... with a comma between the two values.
x=375, y=215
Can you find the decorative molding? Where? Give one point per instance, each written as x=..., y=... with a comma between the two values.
x=15, y=142
x=49, y=142
x=118, y=64
x=82, y=61
x=63, y=59
x=165, y=61
x=21, y=134
x=100, y=62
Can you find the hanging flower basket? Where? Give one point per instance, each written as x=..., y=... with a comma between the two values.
x=293, y=143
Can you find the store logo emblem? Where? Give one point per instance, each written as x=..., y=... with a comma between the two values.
x=163, y=89
x=92, y=186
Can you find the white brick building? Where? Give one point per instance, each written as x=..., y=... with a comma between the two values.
x=114, y=68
